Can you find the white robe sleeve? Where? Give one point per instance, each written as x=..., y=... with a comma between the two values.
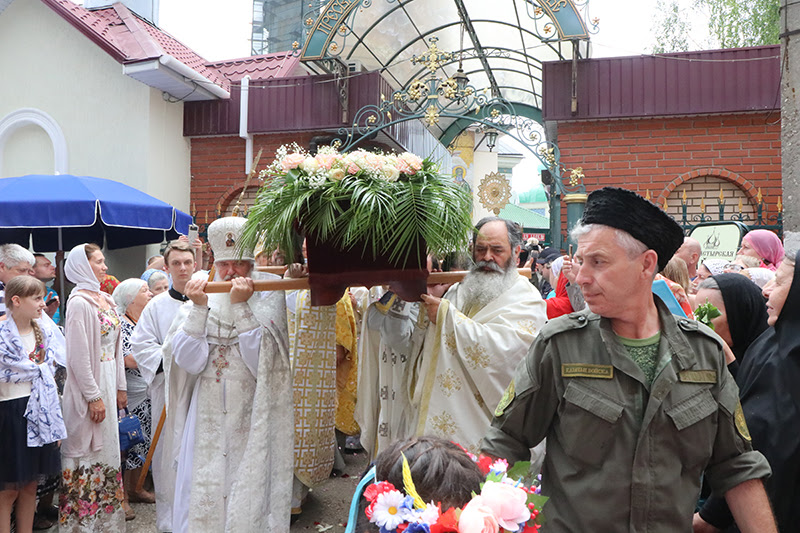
x=146, y=345
x=249, y=331
x=190, y=344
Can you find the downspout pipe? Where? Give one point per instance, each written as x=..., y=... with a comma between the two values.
x=244, y=106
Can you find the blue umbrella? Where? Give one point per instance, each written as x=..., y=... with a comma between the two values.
x=62, y=211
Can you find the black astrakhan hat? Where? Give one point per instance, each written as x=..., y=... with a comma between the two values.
x=644, y=221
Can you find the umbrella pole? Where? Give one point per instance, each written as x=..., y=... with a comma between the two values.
x=62, y=298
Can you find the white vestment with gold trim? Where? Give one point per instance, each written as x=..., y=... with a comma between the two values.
x=468, y=359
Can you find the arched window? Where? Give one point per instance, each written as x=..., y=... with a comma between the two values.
x=706, y=190
x=21, y=118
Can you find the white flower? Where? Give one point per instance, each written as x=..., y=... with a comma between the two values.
x=390, y=173
x=430, y=514
x=310, y=165
x=316, y=180
x=389, y=511
x=336, y=174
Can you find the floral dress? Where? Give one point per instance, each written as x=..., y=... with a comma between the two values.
x=91, y=495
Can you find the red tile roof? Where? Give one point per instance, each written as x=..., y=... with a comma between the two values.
x=129, y=38
x=278, y=65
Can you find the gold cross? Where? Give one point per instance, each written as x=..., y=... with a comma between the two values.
x=220, y=362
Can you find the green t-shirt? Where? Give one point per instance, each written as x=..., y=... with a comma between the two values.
x=644, y=353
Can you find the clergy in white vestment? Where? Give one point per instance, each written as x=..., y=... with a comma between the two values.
x=230, y=404
x=147, y=344
x=391, y=338
x=475, y=336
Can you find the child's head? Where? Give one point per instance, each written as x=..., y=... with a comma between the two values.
x=442, y=472
x=21, y=288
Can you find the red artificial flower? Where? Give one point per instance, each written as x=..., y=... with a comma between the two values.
x=402, y=527
x=374, y=490
x=447, y=523
x=485, y=463
x=531, y=528
x=368, y=511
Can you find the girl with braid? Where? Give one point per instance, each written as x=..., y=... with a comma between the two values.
x=30, y=415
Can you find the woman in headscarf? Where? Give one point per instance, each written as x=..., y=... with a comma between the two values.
x=131, y=296
x=763, y=245
x=156, y=280
x=743, y=312
x=91, y=495
x=768, y=380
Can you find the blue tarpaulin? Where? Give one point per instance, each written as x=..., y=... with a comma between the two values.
x=85, y=209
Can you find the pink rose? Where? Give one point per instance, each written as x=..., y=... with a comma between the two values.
x=292, y=161
x=412, y=160
x=325, y=160
x=477, y=518
x=352, y=168
x=509, y=504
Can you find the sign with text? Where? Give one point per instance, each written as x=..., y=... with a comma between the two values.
x=719, y=240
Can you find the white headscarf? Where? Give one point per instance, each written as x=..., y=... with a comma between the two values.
x=759, y=276
x=79, y=271
x=126, y=292
x=556, y=267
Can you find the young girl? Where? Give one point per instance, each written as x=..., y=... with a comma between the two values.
x=30, y=415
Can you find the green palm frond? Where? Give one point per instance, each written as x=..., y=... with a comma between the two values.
x=400, y=217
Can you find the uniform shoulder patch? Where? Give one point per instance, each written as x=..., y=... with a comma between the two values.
x=585, y=370
x=698, y=376
x=505, y=401
x=741, y=423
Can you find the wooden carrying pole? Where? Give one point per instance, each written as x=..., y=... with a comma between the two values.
x=434, y=278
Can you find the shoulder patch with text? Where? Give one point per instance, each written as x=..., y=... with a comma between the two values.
x=581, y=370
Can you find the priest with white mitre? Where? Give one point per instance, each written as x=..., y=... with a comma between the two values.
x=147, y=342
x=230, y=398
x=475, y=336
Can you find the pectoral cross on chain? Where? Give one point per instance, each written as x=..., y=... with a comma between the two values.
x=221, y=362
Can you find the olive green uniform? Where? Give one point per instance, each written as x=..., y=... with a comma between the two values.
x=623, y=455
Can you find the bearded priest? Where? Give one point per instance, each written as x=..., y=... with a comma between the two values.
x=230, y=402
x=475, y=336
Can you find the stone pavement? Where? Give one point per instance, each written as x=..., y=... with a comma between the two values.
x=324, y=512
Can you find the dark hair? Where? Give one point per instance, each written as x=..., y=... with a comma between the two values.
x=514, y=230
x=90, y=248
x=457, y=261
x=442, y=472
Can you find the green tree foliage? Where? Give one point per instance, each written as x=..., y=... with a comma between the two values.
x=672, y=29
x=730, y=24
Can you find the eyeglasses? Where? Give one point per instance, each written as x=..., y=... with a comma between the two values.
x=733, y=266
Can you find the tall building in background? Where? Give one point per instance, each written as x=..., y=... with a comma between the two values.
x=276, y=25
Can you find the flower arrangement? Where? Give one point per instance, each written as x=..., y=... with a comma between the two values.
x=381, y=202
x=504, y=504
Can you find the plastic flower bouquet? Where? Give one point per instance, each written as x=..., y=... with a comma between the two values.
x=504, y=504
x=375, y=203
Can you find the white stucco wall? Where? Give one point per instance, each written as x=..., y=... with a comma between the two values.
x=114, y=126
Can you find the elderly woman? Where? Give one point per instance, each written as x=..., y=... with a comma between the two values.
x=764, y=246
x=770, y=399
x=157, y=281
x=91, y=495
x=743, y=312
x=131, y=296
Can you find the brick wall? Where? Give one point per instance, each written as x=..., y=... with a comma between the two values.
x=662, y=155
x=218, y=169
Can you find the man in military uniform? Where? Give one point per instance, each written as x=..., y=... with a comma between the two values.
x=635, y=403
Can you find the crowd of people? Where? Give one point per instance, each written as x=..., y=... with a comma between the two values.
x=638, y=416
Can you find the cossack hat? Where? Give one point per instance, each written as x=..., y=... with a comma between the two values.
x=643, y=220
x=224, y=235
